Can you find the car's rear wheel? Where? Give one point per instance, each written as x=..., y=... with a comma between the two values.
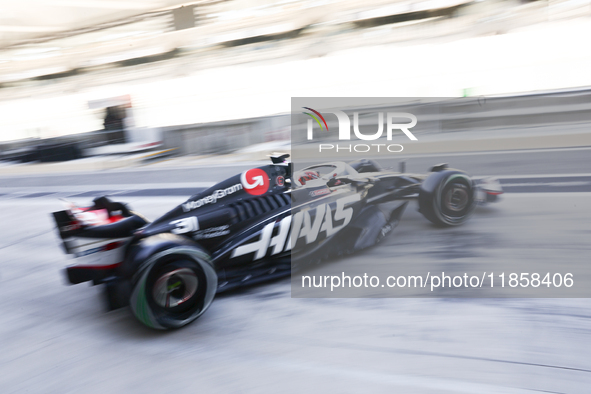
x=451, y=203
x=173, y=288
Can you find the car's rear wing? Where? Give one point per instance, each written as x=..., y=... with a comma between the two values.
x=96, y=236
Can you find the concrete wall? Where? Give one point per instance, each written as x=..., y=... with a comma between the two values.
x=225, y=137
x=486, y=114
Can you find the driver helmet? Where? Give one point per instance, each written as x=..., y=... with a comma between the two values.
x=308, y=176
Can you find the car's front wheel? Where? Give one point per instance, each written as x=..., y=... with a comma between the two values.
x=450, y=202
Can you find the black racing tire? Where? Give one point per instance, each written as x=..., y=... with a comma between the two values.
x=173, y=287
x=451, y=202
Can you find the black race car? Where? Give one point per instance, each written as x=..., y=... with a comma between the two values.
x=250, y=228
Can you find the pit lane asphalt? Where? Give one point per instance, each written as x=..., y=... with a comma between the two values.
x=58, y=339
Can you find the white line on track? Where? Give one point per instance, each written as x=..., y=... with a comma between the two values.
x=555, y=184
x=497, y=152
x=403, y=156
x=536, y=176
x=137, y=169
x=124, y=187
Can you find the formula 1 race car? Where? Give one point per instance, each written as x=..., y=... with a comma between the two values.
x=250, y=228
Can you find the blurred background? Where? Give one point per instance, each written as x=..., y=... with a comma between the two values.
x=151, y=101
x=152, y=73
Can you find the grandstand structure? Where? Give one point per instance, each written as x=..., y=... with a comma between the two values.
x=176, y=60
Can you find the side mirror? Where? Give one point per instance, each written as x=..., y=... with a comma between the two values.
x=279, y=159
x=439, y=167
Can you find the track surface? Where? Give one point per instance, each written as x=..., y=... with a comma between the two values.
x=56, y=338
x=545, y=170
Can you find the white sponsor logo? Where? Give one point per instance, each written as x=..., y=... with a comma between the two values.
x=265, y=241
x=319, y=192
x=212, y=232
x=185, y=225
x=302, y=226
x=212, y=198
x=256, y=181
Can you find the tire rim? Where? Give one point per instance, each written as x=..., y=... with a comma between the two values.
x=175, y=287
x=456, y=198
